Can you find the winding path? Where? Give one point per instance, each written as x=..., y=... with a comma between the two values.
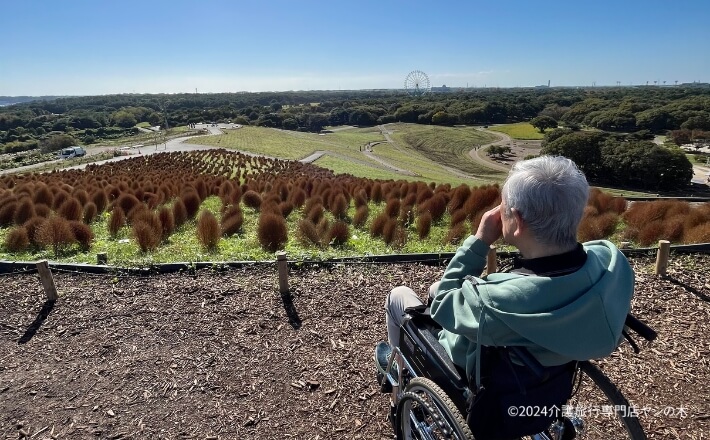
x=503, y=139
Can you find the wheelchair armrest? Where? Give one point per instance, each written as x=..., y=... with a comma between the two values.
x=524, y=356
x=419, y=335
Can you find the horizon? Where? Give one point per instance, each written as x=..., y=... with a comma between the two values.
x=79, y=48
x=401, y=89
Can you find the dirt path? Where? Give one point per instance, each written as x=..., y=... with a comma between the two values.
x=520, y=148
x=503, y=139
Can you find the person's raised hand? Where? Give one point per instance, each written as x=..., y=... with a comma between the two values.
x=491, y=227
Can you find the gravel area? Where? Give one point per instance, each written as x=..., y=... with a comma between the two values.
x=222, y=355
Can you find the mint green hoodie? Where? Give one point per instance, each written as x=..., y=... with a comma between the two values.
x=578, y=316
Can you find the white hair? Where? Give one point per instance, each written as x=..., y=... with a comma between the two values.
x=550, y=194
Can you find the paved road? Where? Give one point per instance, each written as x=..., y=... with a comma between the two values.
x=701, y=174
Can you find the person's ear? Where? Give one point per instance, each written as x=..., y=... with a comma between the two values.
x=518, y=223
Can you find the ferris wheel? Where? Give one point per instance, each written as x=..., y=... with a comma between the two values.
x=417, y=83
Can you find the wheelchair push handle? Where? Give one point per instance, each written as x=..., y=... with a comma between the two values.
x=640, y=328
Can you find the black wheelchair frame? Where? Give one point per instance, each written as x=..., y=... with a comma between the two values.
x=432, y=394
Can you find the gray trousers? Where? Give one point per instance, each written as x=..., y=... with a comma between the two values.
x=396, y=302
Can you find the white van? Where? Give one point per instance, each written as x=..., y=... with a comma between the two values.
x=70, y=152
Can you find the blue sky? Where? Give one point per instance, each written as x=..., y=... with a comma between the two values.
x=77, y=47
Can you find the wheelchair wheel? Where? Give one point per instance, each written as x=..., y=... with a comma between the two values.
x=604, y=411
x=424, y=411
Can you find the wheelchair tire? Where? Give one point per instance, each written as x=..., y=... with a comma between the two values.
x=425, y=411
x=597, y=393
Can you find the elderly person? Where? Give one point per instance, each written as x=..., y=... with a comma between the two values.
x=562, y=300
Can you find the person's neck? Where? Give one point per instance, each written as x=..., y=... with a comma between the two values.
x=533, y=249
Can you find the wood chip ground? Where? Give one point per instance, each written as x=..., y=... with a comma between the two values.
x=222, y=355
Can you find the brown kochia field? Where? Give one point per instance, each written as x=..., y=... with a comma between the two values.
x=156, y=195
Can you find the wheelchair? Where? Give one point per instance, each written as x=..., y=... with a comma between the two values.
x=434, y=399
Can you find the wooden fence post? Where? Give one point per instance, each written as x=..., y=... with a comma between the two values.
x=282, y=263
x=492, y=263
x=45, y=275
x=664, y=249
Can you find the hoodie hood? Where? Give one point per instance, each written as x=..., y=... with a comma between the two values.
x=578, y=316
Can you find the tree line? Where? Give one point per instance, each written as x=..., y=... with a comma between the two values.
x=92, y=118
x=621, y=160
x=618, y=154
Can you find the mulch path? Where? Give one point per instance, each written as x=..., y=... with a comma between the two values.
x=221, y=355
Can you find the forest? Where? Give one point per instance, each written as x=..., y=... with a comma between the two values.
x=644, y=110
x=622, y=120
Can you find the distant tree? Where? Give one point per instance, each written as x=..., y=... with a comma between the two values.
x=700, y=122
x=338, y=116
x=614, y=120
x=555, y=134
x=700, y=138
x=61, y=124
x=646, y=165
x=269, y=120
x=316, y=121
x=555, y=111
x=409, y=113
x=290, y=124
x=241, y=120
x=57, y=142
x=443, y=118
x=681, y=137
x=584, y=148
x=123, y=118
x=472, y=116
x=84, y=121
x=655, y=120
x=498, y=151
x=542, y=123
x=362, y=118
